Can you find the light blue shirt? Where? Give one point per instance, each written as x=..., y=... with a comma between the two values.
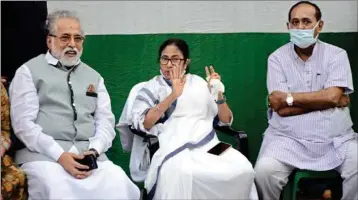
x=316, y=140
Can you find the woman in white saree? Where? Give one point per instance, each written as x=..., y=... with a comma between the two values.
x=180, y=108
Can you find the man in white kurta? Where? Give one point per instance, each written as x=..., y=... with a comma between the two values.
x=61, y=110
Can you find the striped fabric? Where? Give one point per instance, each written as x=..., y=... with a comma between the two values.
x=316, y=140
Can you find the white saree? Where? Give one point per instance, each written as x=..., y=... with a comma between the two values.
x=182, y=168
x=139, y=159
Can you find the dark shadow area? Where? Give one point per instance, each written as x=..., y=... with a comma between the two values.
x=22, y=33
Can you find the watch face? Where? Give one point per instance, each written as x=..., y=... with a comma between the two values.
x=289, y=100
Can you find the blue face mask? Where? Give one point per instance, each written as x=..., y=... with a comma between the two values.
x=303, y=38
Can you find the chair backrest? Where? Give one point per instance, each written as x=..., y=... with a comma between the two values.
x=124, y=122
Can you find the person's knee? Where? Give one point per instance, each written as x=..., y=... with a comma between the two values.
x=115, y=169
x=244, y=164
x=182, y=169
x=352, y=172
x=247, y=168
x=117, y=173
x=264, y=169
x=42, y=176
x=349, y=168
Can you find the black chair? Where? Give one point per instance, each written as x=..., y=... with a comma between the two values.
x=240, y=139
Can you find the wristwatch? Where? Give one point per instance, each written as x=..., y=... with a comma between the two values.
x=95, y=152
x=289, y=99
x=221, y=101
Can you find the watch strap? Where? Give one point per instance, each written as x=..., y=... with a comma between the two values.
x=95, y=152
x=221, y=101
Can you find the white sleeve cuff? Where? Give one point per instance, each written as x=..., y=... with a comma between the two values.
x=97, y=144
x=54, y=151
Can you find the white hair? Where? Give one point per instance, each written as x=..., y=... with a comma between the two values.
x=59, y=14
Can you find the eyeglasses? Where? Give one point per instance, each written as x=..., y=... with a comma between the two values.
x=174, y=61
x=67, y=38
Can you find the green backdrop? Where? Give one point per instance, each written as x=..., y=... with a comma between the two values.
x=240, y=58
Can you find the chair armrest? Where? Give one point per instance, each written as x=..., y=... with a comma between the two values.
x=228, y=130
x=241, y=140
x=151, y=140
x=141, y=133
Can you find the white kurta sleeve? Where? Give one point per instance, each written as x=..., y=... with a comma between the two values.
x=144, y=101
x=104, y=135
x=24, y=109
x=340, y=73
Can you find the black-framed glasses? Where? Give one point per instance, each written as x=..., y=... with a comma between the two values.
x=174, y=61
x=67, y=38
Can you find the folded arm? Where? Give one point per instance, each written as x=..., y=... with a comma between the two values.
x=24, y=109
x=277, y=88
x=339, y=83
x=292, y=111
x=335, y=93
x=320, y=100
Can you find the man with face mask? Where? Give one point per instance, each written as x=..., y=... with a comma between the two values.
x=309, y=120
x=61, y=111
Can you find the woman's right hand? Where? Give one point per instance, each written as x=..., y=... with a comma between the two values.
x=178, y=78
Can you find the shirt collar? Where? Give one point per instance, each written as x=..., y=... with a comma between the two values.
x=54, y=61
x=318, y=68
x=314, y=53
x=51, y=59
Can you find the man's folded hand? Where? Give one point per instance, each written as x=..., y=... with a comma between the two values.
x=344, y=101
x=67, y=160
x=277, y=100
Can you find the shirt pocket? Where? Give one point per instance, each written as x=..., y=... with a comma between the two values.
x=90, y=104
x=319, y=80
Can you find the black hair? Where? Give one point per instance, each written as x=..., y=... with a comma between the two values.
x=181, y=44
x=318, y=10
